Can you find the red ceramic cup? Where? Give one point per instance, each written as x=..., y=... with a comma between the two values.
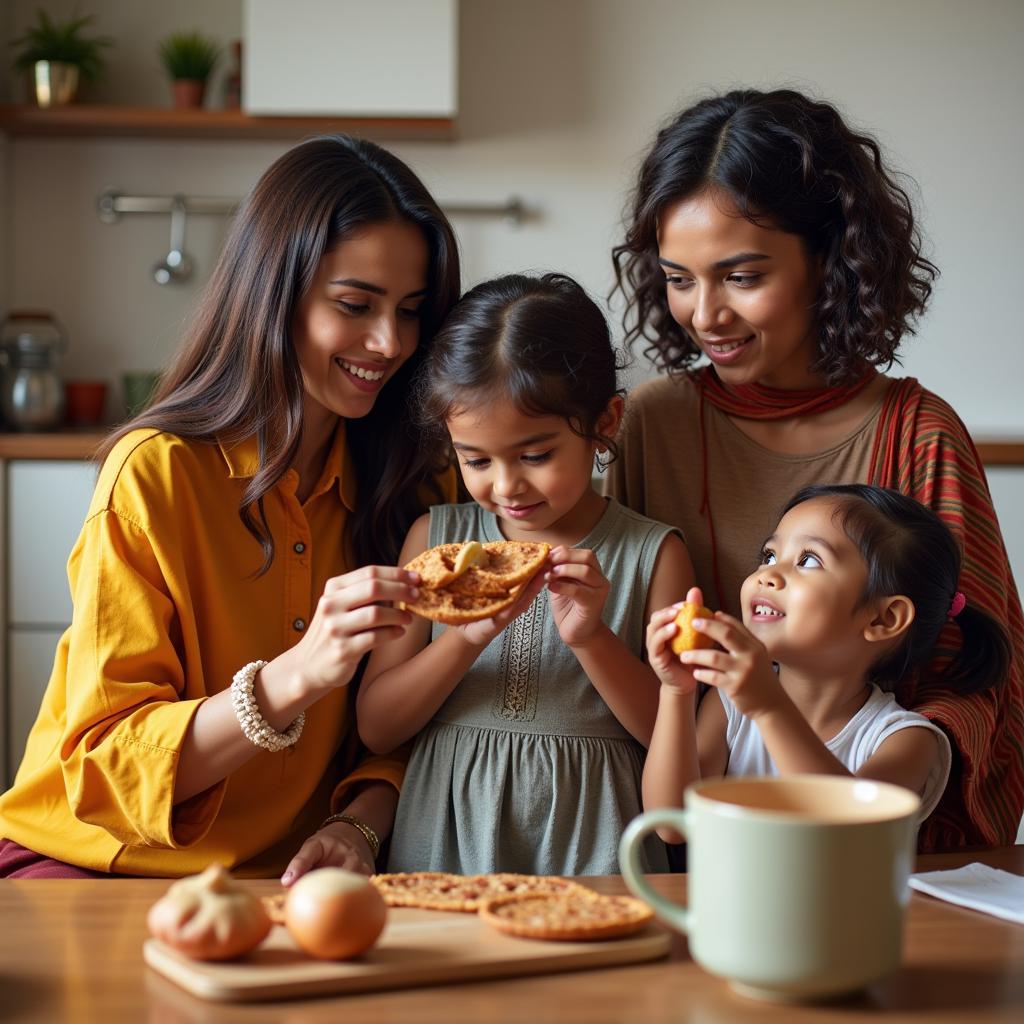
x=85, y=402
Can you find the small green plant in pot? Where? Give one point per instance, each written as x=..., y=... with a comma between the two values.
x=189, y=57
x=58, y=55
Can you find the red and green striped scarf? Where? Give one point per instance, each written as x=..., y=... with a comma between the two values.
x=924, y=450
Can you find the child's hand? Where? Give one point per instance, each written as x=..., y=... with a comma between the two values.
x=743, y=669
x=660, y=656
x=481, y=633
x=578, y=593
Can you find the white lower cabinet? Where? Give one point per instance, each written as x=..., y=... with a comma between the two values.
x=29, y=661
x=1007, y=486
x=45, y=505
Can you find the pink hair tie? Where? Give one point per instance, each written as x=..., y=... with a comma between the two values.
x=958, y=604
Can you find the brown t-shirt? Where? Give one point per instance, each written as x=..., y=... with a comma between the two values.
x=659, y=474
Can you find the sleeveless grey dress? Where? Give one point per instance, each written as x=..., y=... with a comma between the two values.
x=524, y=767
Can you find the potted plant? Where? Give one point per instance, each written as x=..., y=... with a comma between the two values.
x=58, y=55
x=189, y=57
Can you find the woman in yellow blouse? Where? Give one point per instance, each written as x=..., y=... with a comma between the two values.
x=229, y=576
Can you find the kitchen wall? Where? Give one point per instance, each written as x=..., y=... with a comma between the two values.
x=557, y=102
x=4, y=162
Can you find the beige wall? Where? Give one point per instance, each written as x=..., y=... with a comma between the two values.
x=4, y=160
x=558, y=99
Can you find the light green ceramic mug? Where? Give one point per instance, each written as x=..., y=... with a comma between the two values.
x=796, y=885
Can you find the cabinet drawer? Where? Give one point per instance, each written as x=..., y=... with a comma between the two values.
x=47, y=504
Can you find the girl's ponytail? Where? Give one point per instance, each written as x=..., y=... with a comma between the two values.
x=983, y=659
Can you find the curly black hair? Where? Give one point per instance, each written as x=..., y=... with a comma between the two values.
x=787, y=162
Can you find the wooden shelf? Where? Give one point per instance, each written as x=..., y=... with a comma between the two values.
x=1000, y=452
x=168, y=123
x=73, y=443
x=60, y=444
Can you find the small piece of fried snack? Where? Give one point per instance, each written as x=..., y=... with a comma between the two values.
x=687, y=638
x=462, y=583
x=566, y=917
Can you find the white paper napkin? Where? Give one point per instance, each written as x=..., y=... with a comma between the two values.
x=976, y=886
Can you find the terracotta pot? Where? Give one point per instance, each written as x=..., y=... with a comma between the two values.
x=85, y=402
x=188, y=92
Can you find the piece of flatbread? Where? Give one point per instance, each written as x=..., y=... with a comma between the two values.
x=566, y=917
x=441, y=890
x=480, y=591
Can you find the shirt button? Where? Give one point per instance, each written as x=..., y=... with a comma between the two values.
x=298, y=547
x=299, y=625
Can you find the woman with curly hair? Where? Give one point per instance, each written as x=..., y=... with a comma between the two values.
x=767, y=236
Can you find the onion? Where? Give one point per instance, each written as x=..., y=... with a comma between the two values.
x=334, y=914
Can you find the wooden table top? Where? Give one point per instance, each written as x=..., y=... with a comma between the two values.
x=71, y=951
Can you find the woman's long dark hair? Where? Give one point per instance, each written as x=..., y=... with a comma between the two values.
x=791, y=163
x=909, y=550
x=237, y=375
x=540, y=342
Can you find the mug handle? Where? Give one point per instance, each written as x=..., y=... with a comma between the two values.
x=674, y=915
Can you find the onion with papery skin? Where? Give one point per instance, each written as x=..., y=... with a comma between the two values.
x=334, y=914
x=209, y=917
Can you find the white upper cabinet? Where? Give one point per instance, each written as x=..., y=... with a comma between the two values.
x=369, y=58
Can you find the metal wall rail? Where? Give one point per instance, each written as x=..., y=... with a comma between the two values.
x=112, y=205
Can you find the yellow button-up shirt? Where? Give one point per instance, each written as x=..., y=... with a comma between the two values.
x=167, y=607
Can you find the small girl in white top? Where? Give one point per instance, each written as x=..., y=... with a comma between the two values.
x=852, y=593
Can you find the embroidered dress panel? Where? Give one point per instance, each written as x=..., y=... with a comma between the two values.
x=517, y=699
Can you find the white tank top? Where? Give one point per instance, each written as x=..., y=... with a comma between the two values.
x=862, y=735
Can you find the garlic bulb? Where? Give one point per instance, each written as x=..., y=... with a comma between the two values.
x=209, y=916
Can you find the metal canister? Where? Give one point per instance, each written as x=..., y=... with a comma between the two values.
x=31, y=394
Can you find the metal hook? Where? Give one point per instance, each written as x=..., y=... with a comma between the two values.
x=176, y=266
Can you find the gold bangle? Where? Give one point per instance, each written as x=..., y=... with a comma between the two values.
x=368, y=834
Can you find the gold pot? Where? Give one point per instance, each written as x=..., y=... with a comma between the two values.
x=54, y=83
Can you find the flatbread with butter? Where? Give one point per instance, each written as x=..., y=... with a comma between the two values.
x=463, y=583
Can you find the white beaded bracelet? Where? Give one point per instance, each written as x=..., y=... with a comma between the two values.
x=256, y=728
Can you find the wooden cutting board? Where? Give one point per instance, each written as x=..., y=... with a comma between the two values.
x=418, y=947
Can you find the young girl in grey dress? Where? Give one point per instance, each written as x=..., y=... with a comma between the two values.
x=529, y=728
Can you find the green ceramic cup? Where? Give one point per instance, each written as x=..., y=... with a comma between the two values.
x=138, y=389
x=796, y=885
